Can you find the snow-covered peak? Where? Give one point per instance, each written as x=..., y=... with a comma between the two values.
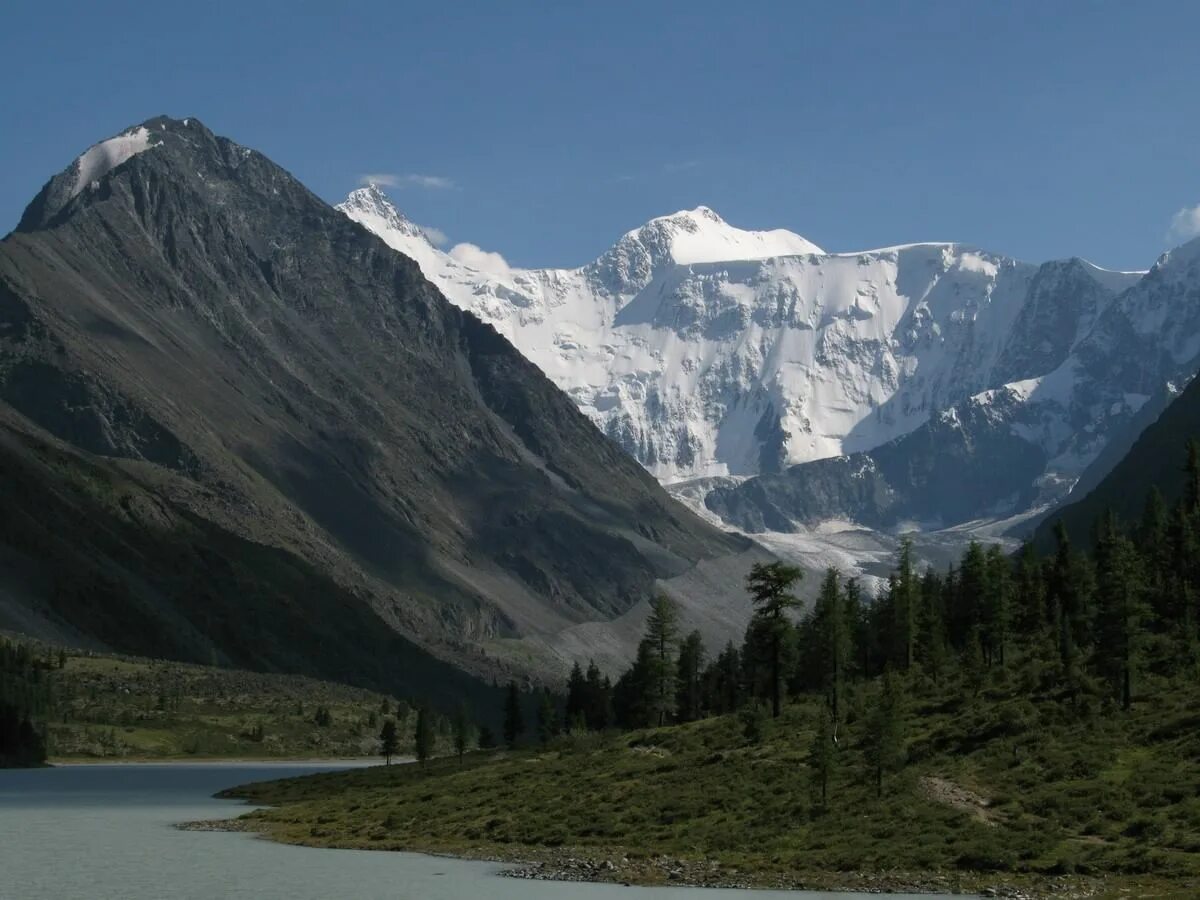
x=694, y=236
x=370, y=207
x=100, y=159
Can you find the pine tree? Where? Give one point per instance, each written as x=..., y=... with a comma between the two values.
x=514, y=723
x=662, y=633
x=689, y=670
x=389, y=741
x=770, y=586
x=423, y=735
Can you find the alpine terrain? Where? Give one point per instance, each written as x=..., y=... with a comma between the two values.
x=932, y=385
x=236, y=427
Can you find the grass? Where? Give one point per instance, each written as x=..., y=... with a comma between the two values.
x=109, y=707
x=1004, y=788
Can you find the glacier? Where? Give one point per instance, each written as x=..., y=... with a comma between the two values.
x=710, y=351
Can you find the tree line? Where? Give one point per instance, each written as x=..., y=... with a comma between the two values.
x=1079, y=626
x=24, y=699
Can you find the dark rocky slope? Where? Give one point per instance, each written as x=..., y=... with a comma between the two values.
x=274, y=388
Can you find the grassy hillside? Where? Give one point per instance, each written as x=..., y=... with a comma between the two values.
x=1008, y=788
x=105, y=707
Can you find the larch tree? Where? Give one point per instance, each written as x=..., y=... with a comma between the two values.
x=770, y=587
x=662, y=635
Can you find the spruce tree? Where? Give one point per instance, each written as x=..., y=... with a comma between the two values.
x=770, y=586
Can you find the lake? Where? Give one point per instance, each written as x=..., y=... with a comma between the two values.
x=104, y=832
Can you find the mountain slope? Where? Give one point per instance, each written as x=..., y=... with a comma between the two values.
x=1005, y=451
x=758, y=350
x=181, y=310
x=1156, y=459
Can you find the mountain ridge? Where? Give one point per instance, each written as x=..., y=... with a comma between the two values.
x=201, y=320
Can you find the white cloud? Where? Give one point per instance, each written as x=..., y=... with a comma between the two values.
x=436, y=236
x=412, y=179
x=1185, y=225
x=473, y=256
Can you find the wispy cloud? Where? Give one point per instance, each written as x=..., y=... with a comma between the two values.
x=1185, y=225
x=411, y=179
x=478, y=258
x=684, y=165
x=436, y=236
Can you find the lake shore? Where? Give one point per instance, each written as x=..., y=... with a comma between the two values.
x=586, y=865
x=331, y=761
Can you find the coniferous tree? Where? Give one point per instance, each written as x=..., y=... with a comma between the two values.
x=885, y=735
x=1030, y=616
x=577, y=694
x=688, y=679
x=389, y=741
x=770, y=586
x=821, y=756
x=598, y=712
x=931, y=628
x=662, y=634
x=905, y=603
x=1120, y=611
x=462, y=731
x=832, y=641
x=995, y=612
x=723, y=681
x=514, y=722
x=547, y=718
x=423, y=735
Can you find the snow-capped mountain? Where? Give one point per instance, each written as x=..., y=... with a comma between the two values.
x=706, y=350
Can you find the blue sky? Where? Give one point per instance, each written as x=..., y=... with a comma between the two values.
x=1035, y=129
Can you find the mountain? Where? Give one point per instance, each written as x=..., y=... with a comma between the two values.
x=934, y=383
x=1006, y=451
x=238, y=427
x=1156, y=459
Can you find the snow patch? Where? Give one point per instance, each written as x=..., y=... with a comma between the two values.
x=100, y=159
